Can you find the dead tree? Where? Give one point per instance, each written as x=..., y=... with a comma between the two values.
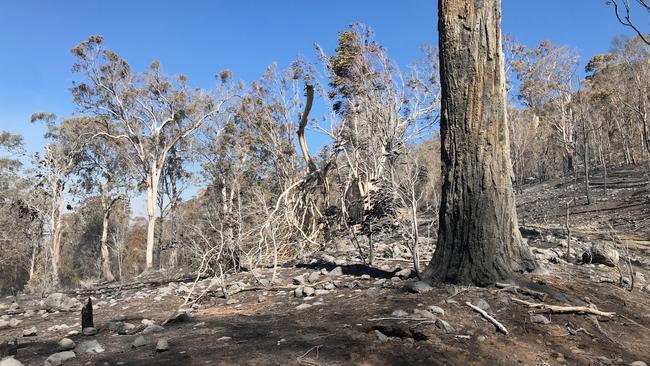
x=479, y=241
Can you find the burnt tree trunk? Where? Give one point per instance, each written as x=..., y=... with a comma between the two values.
x=479, y=241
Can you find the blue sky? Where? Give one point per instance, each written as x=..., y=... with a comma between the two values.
x=200, y=38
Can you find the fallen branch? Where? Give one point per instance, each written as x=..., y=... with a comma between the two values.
x=564, y=309
x=487, y=316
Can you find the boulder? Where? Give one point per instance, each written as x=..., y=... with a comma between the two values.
x=601, y=254
x=162, y=345
x=66, y=344
x=10, y=361
x=59, y=358
x=418, y=287
x=60, y=302
x=90, y=347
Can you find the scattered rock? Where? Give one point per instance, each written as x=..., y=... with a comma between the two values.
x=59, y=358
x=139, y=341
x=298, y=292
x=404, y=273
x=638, y=363
x=539, y=319
x=60, y=302
x=66, y=344
x=116, y=326
x=442, y=324
x=308, y=291
x=11, y=323
x=337, y=271
x=162, y=345
x=481, y=304
x=92, y=346
x=10, y=361
x=30, y=332
x=436, y=310
x=89, y=331
x=299, y=280
x=152, y=328
x=418, y=287
x=601, y=254
x=303, y=306
x=313, y=277
x=399, y=313
x=381, y=336
x=424, y=314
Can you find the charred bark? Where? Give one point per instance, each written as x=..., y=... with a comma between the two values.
x=479, y=242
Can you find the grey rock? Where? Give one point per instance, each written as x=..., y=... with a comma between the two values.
x=11, y=323
x=152, y=328
x=481, y=304
x=399, y=313
x=298, y=292
x=313, y=277
x=539, y=319
x=116, y=326
x=436, y=309
x=10, y=361
x=162, y=345
x=30, y=332
x=337, y=271
x=365, y=277
x=329, y=286
x=59, y=358
x=442, y=324
x=328, y=258
x=404, y=273
x=638, y=363
x=381, y=336
x=299, y=280
x=139, y=341
x=89, y=331
x=320, y=292
x=601, y=254
x=92, y=346
x=60, y=302
x=418, y=287
x=425, y=314
x=232, y=301
x=66, y=344
x=308, y=291
x=303, y=306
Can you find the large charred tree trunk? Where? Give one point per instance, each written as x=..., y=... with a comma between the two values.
x=479, y=241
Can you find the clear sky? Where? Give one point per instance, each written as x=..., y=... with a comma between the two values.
x=200, y=38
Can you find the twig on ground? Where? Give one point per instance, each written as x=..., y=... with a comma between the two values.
x=487, y=316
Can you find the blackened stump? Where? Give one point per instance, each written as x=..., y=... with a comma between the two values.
x=87, y=315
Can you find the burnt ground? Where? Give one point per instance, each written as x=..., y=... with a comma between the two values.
x=262, y=325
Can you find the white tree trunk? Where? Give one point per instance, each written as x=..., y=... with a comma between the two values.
x=152, y=194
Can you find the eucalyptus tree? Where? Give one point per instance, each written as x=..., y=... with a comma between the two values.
x=149, y=112
x=547, y=77
x=478, y=241
x=105, y=170
x=54, y=170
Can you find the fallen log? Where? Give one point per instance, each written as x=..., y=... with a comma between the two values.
x=564, y=309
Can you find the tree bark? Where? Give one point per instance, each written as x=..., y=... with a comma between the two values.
x=479, y=241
